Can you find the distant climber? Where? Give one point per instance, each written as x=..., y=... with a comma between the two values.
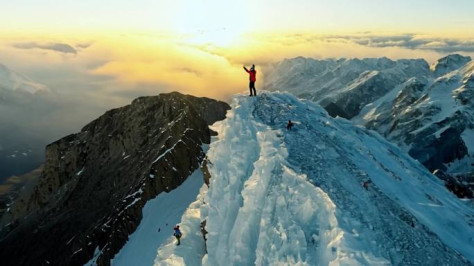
x=366, y=184
x=289, y=125
x=177, y=234
x=252, y=79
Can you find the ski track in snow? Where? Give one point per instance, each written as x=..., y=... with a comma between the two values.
x=295, y=197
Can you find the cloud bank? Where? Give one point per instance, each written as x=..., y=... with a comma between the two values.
x=57, y=47
x=408, y=41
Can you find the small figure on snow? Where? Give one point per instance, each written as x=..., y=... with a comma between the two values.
x=289, y=125
x=366, y=184
x=252, y=78
x=177, y=234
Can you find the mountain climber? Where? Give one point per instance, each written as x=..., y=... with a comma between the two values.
x=252, y=79
x=177, y=234
x=366, y=184
x=289, y=125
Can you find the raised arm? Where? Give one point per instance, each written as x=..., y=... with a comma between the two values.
x=246, y=69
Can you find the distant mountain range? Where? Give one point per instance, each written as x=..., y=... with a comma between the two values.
x=427, y=110
x=22, y=101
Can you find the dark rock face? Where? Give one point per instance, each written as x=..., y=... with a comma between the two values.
x=334, y=110
x=95, y=183
x=462, y=186
x=435, y=152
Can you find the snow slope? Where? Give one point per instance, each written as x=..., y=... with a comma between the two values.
x=160, y=213
x=295, y=197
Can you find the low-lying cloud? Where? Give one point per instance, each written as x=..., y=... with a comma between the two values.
x=408, y=41
x=57, y=47
x=413, y=41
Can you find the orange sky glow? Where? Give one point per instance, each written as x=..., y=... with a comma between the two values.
x=118, y=49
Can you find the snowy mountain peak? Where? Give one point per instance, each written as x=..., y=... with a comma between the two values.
x=323, y=193
x=449, y=63
x=343, y=83
x=15, y=81
x=404, y=100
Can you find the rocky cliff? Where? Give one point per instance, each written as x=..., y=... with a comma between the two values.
x=93, y=186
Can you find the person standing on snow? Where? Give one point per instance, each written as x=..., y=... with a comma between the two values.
x=177, y=234
x=252, y=78
x=289, y=125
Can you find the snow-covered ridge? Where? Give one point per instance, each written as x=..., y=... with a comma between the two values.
x=281, y=197
x=15, y=81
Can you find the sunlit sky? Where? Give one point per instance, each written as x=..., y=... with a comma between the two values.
x=120, y=49
x=191, y=15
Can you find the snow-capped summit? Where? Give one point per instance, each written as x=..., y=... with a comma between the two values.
x=15, y=81
x=449, y=63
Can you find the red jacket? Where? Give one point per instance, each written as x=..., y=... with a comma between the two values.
x=252, y=74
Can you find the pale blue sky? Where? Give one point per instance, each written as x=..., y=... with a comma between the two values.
x=390, y=15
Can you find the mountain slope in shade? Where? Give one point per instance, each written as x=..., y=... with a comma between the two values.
x=434, y=120
x=23, y=103
x=429, y=112
x=94, y=183
x=15, y=81
x=279, y=197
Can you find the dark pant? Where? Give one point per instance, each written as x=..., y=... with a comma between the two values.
x=252, y=87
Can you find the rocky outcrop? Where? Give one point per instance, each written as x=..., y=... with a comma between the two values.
x=462, y=186
x=95, y=183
